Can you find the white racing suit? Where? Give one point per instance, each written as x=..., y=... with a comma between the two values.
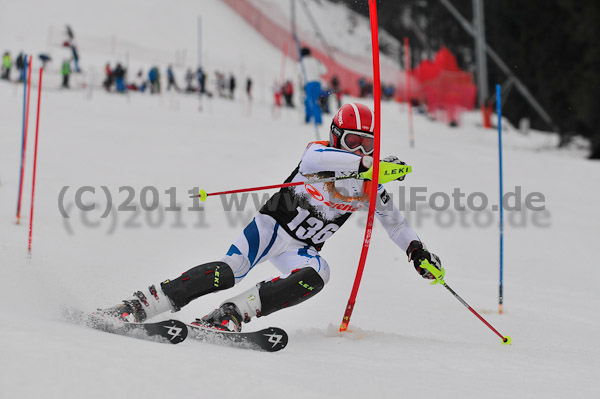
x=290, y=230
x=293, y=225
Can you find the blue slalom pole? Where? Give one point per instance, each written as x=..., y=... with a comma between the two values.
x=22, y=139
x=499, y=111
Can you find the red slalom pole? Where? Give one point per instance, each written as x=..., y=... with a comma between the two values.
x=37, y=131
x=374, y=182
x=27, y=90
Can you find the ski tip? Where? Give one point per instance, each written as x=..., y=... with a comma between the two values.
x=174, y=331
x=506, y=340
x=277, y=339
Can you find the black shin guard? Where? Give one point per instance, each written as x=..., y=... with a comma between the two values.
x=198, y=281
x=292, y=290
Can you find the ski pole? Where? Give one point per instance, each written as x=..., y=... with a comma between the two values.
x=439, y=279
x=391, y=171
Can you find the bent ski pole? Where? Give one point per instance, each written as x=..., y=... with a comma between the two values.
x=390, y=171
x=439, y=279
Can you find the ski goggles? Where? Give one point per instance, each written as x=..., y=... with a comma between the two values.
x=353, y=140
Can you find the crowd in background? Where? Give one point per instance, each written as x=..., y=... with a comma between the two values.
x=315, y=91
x=68, y=65
x=116, y=80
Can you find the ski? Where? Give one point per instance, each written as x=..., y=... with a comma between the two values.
x=270, y=339
x=171, y=331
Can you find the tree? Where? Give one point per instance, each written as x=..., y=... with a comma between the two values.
x=548, y=43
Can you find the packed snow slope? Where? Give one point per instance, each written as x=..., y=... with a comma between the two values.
x=408, y=339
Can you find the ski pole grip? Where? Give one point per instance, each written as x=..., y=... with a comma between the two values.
x=388, y=171
x=437, y=273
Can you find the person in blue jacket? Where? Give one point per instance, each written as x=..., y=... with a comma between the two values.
x=313, y=70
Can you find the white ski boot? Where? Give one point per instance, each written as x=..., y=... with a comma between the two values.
x=142, y=306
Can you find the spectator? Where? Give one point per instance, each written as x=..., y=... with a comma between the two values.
x=119, y=74
x=288, y=93
x=314, y=69
x=388, y=91
x=369, y=89
x=189, y=79
x=231, y=85
x=45, y=58
x=362, y=86
x=140, y=83
x=249, y=88
x=70, y=42
x=154, y=80
x=335, y=86
x=65, y=72
x=6, y=65
x=75, y=56
x=171, y=79
x=20, y=64
x=324, y=101
x=277, y=92
x=69, y=32
x=201, y=76
x=110, y=77
x=220, y=84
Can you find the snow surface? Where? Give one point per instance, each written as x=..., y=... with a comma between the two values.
x=408, y=339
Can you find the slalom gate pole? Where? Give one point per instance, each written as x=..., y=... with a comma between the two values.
x=501, y=285
x=411, y=133
x=375, y=181
x=439, y=279
x=400, y=171
x=26, y=91
x=37, y=131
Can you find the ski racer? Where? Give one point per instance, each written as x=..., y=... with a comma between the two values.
x=289, y=230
